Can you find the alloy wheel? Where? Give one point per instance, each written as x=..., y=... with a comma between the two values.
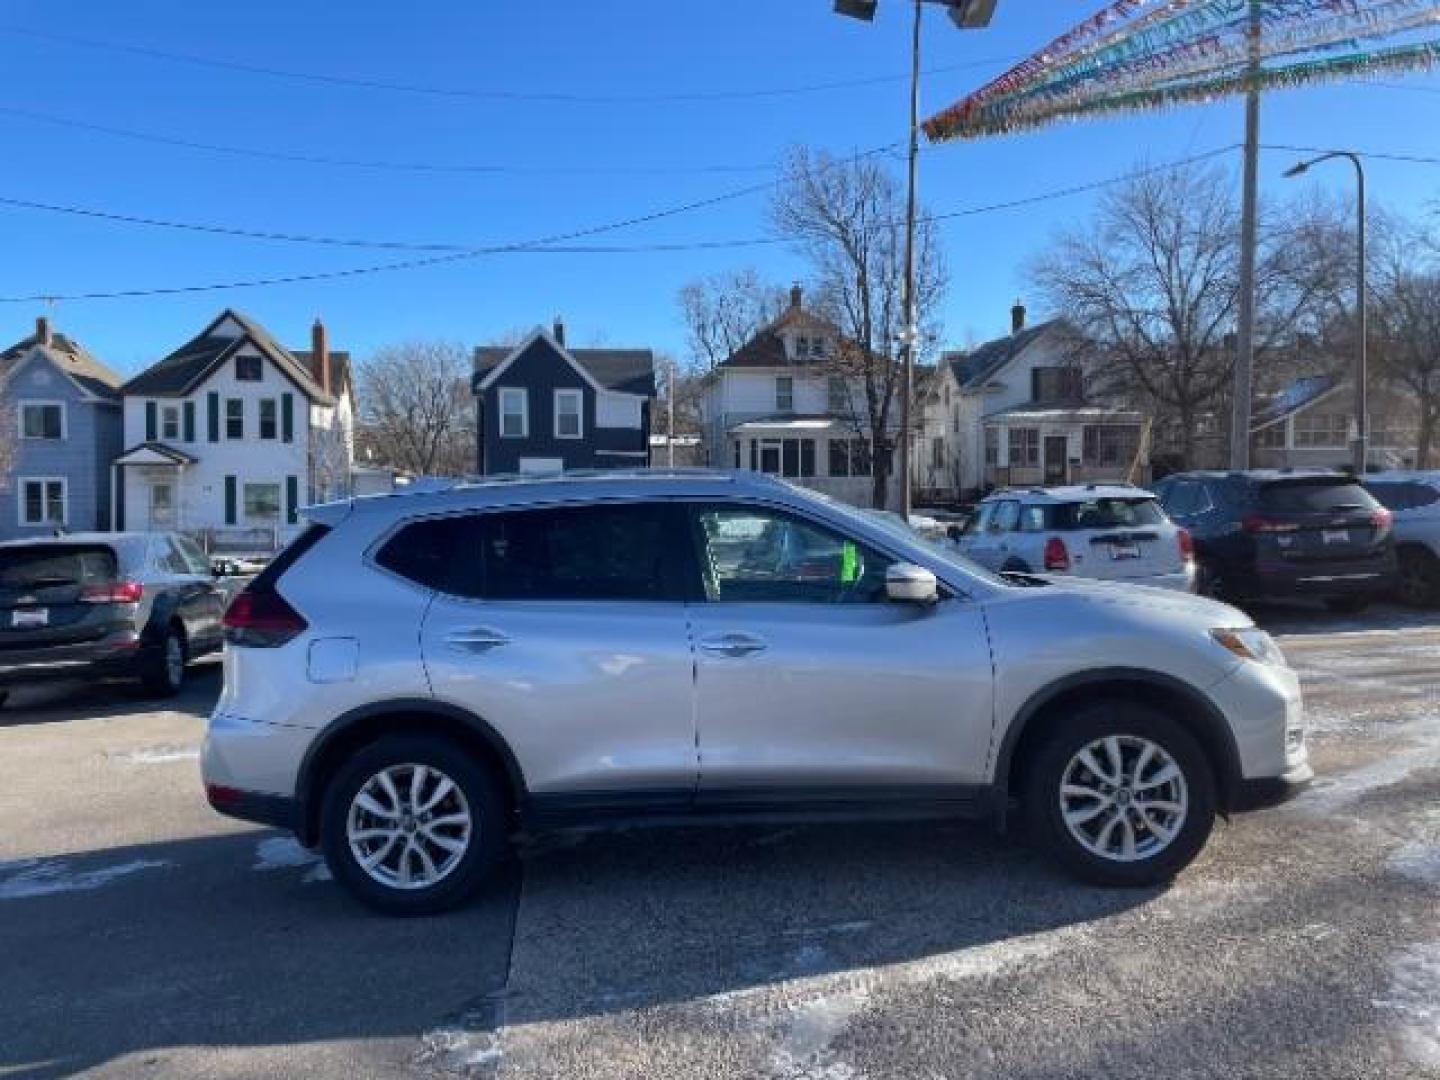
x=1123, y=798
x=409, y=826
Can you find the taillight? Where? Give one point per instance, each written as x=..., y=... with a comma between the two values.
x=1056, y=555
x=1187, y=546
x=262, y=620
x=113, y=592
x=1382, y=519
x=1259, y=523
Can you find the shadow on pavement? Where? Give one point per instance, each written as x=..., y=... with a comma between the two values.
x=58, y=702
x=1308, y=619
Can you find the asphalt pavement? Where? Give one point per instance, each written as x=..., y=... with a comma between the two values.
x=142, y=935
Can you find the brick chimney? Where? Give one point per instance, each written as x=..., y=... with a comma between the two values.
x=797, y=295
x=559, y=334
x=1017, y=317
x=42, y=330
x=320, y=354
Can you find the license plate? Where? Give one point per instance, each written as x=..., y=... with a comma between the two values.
x=1336, y=536
x=30, y=618
x=1124, y=551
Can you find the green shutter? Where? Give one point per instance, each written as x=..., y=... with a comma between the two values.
x=150, y=421
x=292, y=499
x=229, y=500
x=189, y=421
x=212, y=408
x=287, y=417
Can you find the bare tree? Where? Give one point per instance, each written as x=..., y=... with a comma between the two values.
x=724, y=311
x=847, y=216
x=417, y=408
x=1405, y=321
x=1152, y=287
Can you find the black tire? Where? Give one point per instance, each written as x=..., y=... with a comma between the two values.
x=161, y=678
x=1347, y=605
x=482, y=794
x=1047, y=768
x=1419, y=584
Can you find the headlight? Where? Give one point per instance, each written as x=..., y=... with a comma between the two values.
x=1251, y=643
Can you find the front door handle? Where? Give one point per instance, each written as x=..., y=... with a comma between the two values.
x=732, y=645
x=477, y=639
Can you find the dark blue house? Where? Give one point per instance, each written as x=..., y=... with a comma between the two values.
x=543, y=407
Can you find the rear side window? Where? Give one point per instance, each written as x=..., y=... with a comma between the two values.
x=619, y=552
x=1314, y=496
x=1107, y=514
x=45, y=566
x=1403, y=494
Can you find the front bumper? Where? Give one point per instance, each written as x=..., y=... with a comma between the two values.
x=1266, y=791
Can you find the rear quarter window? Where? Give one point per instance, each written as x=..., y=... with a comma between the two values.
x=1403, y=494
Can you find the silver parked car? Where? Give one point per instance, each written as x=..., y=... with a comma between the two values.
x=96, y=605
x=1414, y=500
x=420, y=676
x=1109, y=531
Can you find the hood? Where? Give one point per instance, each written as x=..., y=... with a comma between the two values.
x=1151, y=598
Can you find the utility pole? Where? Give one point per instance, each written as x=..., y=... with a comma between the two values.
x=1245, y=339
x=910, y=335
x=670, y=422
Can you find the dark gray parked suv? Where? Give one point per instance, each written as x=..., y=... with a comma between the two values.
x=106, y=604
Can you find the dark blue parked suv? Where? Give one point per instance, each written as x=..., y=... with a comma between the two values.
x=1284, y=534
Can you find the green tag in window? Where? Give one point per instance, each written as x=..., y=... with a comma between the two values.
x=849, y=564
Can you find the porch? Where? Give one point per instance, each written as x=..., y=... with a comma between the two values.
x=829, y=454
x=1049, y=447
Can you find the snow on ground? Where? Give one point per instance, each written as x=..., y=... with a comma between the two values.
x=1414, y=997
x=157, y=755
x=28, y=878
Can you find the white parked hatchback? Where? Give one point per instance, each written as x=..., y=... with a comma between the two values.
x=421, y=676
x=1113, y=532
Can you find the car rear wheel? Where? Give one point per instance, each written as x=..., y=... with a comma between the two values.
x=1121, y=794
x=164, y=675
x=412, y=825
x=1419, y=577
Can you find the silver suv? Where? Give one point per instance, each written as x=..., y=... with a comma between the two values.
x=421, y=676
x=1414, y=499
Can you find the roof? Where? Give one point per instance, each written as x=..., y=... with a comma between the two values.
x=197, y=359
x=342, y=371
x=767, y=348
x=1302, y=392
x=1074, y=493
x=624, y=371
x=155, y=453
x=976, y=367
x=1061, y=414
x=70, y=357
x=794, y=422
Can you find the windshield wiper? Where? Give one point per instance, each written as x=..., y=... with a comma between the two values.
x=1024, y=580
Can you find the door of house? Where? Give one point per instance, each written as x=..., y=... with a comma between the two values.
x=162, y=505
x=1057, y=448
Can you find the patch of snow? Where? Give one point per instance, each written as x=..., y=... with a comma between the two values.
x=318, y=872
x=468, y=1045
x=1414, y=997
x=1418, y=860
x=804, y=1050
x=157, y=755
x=285, y=852
x=1328, y=793
x=28, y=878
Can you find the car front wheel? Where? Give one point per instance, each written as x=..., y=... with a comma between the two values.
x=412, y=825
x=1122, y=795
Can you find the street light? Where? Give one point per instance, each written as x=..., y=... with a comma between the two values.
x=966, y=15
x=1362, y=420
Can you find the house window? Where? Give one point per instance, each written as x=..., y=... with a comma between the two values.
x=770, y=456
x=514, y=413
x=170, y=422
x=797, y=458
x=1322, y=429
x=43, y=501
x=937, y=453
x=568, y=422
x=1052, y=384
x=955, y=419
x=1111, y=445
x=1272, y=437
x=1393, y=434
x=784, y=393
x=802, y=346
x=262, y=502
x=42, y=420
x=992, y=446
x=1024, y=446
x=267, y=418
x=249, y=368
x=818, y=348
x=837, y=392
x=234, y=418
x=849, y=457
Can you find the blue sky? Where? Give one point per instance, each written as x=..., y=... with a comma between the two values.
x=664, y=153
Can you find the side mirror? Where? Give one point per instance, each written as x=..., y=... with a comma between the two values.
x=906, y=583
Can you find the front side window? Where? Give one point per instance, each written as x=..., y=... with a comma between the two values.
x=249, y=368
x=234, y=418
x=262, y=501
x=784, y=393
x=42, y=502
x=267, y=418
x=42, y=420
x=170, y=422
x=759, y=555
x=568, y=423
x=514, y=413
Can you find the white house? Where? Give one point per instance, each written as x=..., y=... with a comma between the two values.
x=781, y=404
x=229, y=435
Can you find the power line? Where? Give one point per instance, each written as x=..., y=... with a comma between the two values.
x=1371, y=155
x=544, y=97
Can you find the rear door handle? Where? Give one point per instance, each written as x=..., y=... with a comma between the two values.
x=732, y=645
x=477, y=639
